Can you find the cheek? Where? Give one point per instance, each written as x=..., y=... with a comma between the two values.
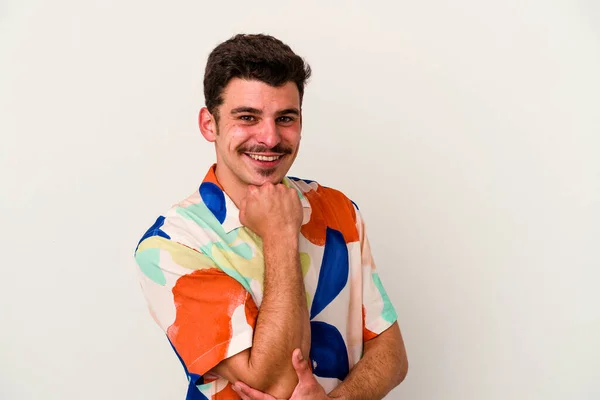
x=237, y=136
x=291, y=136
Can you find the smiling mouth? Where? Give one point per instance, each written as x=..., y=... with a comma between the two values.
x=259, y=157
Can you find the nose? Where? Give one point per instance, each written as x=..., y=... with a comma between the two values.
x=268, y=133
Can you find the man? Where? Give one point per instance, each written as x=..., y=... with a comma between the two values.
x=265, y=284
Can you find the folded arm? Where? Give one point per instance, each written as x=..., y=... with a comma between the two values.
x=384, y=366
x=282, y=324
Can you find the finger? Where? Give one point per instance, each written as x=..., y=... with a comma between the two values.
x=236, y=388
x=250, y=393
x=302, y=368
x=242, y=395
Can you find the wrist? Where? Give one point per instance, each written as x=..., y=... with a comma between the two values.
x=286, y=237
x=338, y=393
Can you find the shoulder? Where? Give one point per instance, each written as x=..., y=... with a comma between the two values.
x=184, y=223
x=330, y=211
x=317, y=192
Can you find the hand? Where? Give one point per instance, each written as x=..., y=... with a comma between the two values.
x=271, y=210
x=308, y=388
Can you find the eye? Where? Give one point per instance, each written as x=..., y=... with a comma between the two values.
x=247, y=118
x=285, y=119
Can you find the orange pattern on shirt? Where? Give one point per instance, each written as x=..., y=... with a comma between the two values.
x=226, y=394
x=328, y=208
x=205, y=301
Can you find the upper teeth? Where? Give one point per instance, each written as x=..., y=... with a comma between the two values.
x=264, y=158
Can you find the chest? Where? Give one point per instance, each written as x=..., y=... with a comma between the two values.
x=330, y=271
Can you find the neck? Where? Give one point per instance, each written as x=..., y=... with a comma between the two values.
x=235, y=189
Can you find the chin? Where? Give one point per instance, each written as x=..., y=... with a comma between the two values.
x=274, y=177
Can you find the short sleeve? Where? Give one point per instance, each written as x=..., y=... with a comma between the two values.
x=207, y=315
x=378, y=312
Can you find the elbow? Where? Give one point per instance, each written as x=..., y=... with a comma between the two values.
x=281, y=389
x=279, y=384
x=402, y=370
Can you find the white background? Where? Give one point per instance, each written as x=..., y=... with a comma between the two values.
x=467, y=131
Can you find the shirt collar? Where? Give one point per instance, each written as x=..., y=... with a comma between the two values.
x=223, y=208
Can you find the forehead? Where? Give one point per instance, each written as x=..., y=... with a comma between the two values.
x=258, y=94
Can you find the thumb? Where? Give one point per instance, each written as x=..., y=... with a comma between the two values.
x=301, y=366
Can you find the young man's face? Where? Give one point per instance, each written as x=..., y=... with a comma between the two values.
x=258, y=132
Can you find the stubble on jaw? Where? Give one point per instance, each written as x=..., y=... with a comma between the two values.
x=267, y=172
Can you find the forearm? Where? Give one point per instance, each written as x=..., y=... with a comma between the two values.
x=283, y=323
x=383, y=367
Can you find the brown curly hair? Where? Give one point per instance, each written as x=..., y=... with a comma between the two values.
x=258, y=56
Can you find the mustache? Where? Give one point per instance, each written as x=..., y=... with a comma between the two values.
x=280, y=148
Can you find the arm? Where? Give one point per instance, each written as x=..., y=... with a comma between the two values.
x=384, y=366
x=282, y=324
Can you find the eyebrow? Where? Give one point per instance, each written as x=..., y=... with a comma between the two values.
x=289, y=111
x=252, y=110
x=243, y=109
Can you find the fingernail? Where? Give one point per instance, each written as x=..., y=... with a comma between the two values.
x=299, y=356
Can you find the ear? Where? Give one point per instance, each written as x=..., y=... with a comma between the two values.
x=208, y=124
